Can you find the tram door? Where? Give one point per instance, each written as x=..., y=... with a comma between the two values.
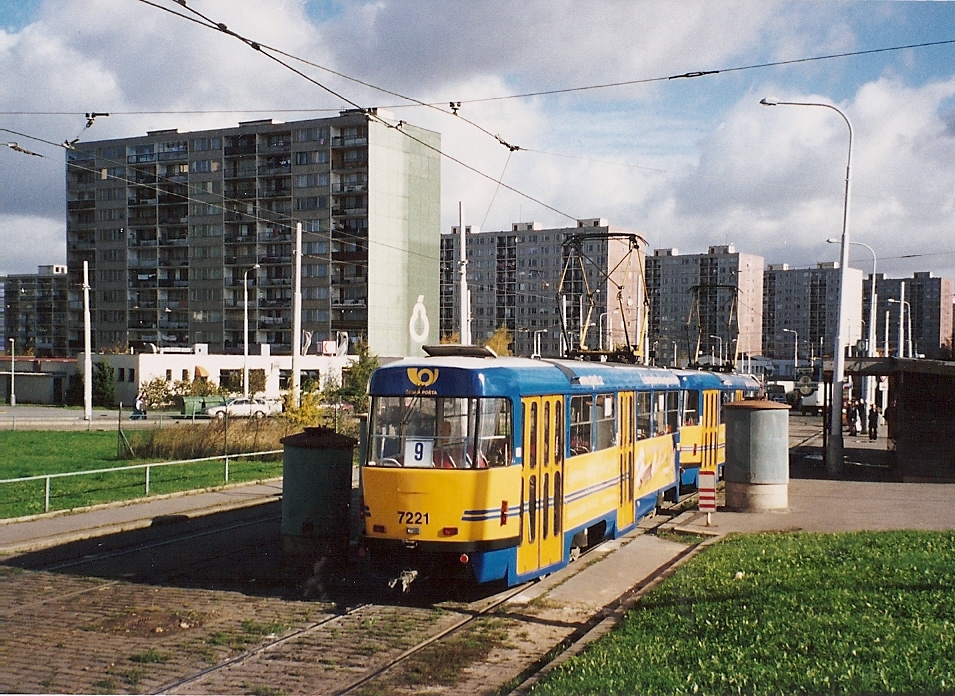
x=542, y=483
x=625, y=484
x=711, y=429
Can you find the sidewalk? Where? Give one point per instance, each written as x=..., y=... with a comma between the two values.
x=43, y=531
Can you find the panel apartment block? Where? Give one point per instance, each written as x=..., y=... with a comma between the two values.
x=35, y=308
x=930, y=301
x=705, y=304
x=800, y=306
x=514, y=277
x=173, y=224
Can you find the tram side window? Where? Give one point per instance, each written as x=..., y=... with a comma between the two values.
x=673, y=411
x=691, y=407
x=494, y=432
x=606, y=415
x=659, y=413
x=580, y=418
x=644, y=401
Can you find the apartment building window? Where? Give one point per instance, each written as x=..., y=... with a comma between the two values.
x=311, y=202
x=205, y=231
x=205, y=295
x=311, y=180
x=200, y=144
x=315, y=270
x=205, y=166
x=319, y=133
x=110, y=214
x=204, y=209
x=311, y=157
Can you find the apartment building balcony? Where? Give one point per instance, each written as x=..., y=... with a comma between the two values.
x=80, y=205
x=350, y=302
x=236, y=260
x=349, y=188
x=283, y=192
x=240, y=149
x=275, y=235
x=240, y=172
x=350, y=212
x=348, y=141
x=279, y=168
x=276, y=260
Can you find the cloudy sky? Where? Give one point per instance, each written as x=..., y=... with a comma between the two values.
x=580, y=88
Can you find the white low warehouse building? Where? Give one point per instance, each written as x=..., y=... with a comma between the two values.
x=132, y=371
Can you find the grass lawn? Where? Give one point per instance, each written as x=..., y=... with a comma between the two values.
x=786, y=614
x=35, y=453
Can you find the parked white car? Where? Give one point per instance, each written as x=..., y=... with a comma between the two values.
x=246, y=408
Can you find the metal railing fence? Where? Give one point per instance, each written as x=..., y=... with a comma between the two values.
x=147, y=469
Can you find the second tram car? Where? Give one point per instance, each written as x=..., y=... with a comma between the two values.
x=495, y=469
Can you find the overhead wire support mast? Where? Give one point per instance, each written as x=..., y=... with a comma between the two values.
x=574, y=264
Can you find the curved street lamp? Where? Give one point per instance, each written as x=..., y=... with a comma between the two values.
x=795, y=350
x=720, y=339
x=907, y=310
x=835, y=452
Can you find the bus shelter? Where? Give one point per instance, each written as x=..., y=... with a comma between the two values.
x=919, y=399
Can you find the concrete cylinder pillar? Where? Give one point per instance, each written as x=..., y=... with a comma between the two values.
x=757, y=456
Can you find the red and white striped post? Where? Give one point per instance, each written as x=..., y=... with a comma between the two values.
x=707, y=488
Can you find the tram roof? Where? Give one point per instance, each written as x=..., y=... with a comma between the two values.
x=510, y=376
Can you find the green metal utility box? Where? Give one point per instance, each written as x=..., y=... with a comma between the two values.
x=316, y=493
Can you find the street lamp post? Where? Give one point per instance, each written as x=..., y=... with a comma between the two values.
x=600, y=327
x=720, y=339
x=795, y=351
x=873, y=300
x=904, y=310
x=835, y=452
x=537, y=342
x=13, y=371
x=245, y=332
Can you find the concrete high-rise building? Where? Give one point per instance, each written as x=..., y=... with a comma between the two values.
x=514, y=280
x=35, y=307
x=172, y=224
x=930, y=301
x=705, y=307
x=801, y=305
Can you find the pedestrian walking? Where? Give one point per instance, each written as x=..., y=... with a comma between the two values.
x=852, y=417
x=139, y=408
x=874, y=416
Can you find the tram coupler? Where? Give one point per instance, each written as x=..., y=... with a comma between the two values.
x=405, y=579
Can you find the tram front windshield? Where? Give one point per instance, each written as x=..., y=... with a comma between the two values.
x=439, y=432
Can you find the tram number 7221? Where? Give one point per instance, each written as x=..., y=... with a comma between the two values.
x=412, y=517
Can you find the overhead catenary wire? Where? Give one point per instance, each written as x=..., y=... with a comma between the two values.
x=522, y=95
x=264, y=50
x=221, y=203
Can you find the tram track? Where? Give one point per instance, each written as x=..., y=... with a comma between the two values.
x=134, y=550
x=346, y=650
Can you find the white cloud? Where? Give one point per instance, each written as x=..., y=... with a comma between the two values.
x=30, y=241
x=689, y=162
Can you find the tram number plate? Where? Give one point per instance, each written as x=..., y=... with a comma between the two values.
x=412, y=517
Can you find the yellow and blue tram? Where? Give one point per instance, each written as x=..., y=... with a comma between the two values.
x=502, y=469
